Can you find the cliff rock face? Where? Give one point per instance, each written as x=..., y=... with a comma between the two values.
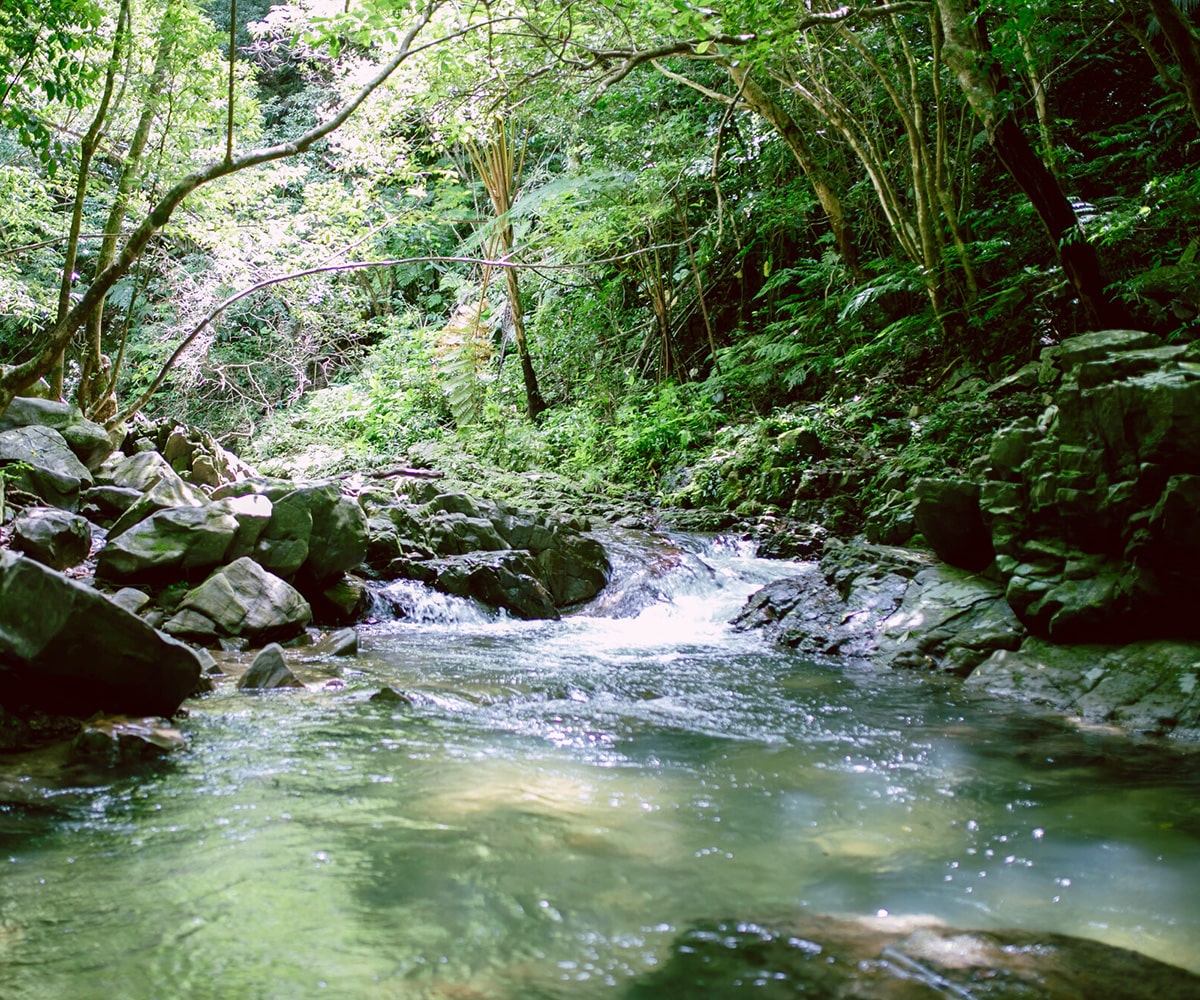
x=1094, y=510
x=1069, y=566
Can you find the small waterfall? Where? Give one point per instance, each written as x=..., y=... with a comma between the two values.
x=717, y=573
x=413, y=602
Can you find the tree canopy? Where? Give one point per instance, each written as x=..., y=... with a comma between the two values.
x=689, y=213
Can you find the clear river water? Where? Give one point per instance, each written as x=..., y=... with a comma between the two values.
x=561, y=799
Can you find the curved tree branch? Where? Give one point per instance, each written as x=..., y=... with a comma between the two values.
x=13, y=378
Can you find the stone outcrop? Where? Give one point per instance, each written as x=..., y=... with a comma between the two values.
x=64, y=647
x=894, y=606
x=41, y=463
x=240, y=601
x=1151, y=686
x=1082, y=527
x=1094, y=510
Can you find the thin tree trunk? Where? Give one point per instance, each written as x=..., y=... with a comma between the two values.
x=766, y=107
x=967, y=52
x=1182, y=39
x=87, y=149
x=500, y=173
x=93, y=391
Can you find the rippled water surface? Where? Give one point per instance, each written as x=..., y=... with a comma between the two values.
x=561, y=799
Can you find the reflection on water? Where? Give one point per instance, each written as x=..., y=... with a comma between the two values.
x=562, y=799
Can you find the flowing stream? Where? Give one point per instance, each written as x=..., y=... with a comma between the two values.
x=561, y=799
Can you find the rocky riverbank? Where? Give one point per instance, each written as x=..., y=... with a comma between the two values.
x=1062, y=570
x=123, y=566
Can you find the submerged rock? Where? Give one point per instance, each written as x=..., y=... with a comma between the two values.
x=343, y=642
x=896, y=958
x=269, y=670
x=117, y=740
x=1151, y=686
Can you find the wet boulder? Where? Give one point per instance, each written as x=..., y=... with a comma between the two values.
x=343, y=642
x=268, y=671
x=53, y=537
x=240, y=601
x=178, y=539
x=252, y=513
x=89, y=441
x=39, y=461
x=573, y=567
x=64, y=647
x=339, y=601
x=453, y=533
x=1152, y=686
x=505, y=580
x=948, y=620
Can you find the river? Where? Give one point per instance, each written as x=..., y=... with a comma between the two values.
x=561, y=799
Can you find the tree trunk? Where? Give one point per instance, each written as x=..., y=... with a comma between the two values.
x=967, y=52
x=1182, y=39
x=760, y=102
x=87, y=149
x=95, y=386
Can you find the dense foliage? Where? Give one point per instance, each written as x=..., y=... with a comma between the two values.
x=737, y=239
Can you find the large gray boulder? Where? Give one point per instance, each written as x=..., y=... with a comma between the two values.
x=90, y=442
x=55, y=538
x=313, y=530
x=269, y=670
x=252, y=513
x=179, y=539
x=40, y=462
x=949, y=620
x=505, y=579
x=241, y=601
x=167, y=492
x=66, y=648
x=282, y=546
x=339, y=532
x=136, y=472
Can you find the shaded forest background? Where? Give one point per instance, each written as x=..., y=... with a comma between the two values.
x=649, y=246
